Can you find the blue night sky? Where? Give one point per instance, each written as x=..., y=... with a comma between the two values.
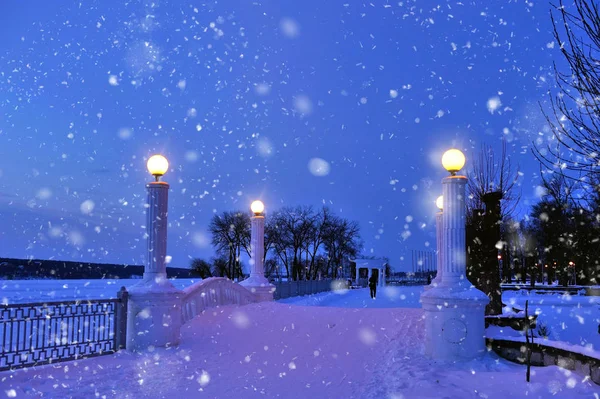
x=240, y=96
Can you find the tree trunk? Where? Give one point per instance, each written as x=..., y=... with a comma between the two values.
x=490, y=278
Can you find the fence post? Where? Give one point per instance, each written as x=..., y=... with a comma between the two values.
x=121, y=319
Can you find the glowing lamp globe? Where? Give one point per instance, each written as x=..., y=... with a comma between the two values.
x=439, y=202
x=157, y=166
x=453, y=161
x=257, y=207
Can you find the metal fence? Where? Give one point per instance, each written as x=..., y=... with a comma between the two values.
x=40, y=333
x=286, y=289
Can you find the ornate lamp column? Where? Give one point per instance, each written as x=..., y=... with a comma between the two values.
x=455, y=326
x=154, y=305
x=257, y=282
x=439, y=235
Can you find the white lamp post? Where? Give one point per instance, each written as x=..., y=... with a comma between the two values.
x=154, y=305
x=155, y=270
x=439, y=235
x=257, y=282
x=455, y=326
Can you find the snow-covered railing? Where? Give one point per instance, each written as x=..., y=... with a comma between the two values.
x=548, y=353
x=48, y=332
x=210, y=293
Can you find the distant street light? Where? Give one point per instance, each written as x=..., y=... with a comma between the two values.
x=439, y=202
x=439, y=235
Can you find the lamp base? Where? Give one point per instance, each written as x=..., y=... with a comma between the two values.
x=154, y=318
x=260, y=287
x=455, y=323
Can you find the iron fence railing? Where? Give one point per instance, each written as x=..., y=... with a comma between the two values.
x=286, y=289
x=40, y=333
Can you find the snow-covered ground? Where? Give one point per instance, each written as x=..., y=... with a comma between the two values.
x=290, y=350
x=387, y=297
x=570, y=318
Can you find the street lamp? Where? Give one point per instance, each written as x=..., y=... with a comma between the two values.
x=154, y=304
x=257, y=208
x=257, y=283
x=455, y=309
x=439, y=234
x=157, y=166
x=453, y=160
x=156, y=220
x=439, y=202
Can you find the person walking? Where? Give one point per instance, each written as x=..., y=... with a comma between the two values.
x=373, y=286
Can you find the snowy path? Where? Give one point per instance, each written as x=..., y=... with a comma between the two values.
x=280, y=350
x=387, y=297
x=261, y=350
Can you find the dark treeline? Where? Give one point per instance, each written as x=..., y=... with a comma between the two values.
x=557, y=241
x=19, y=269
x=304, y=241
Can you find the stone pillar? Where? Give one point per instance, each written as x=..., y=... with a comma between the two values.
x=382, y=277
x=454, y=231
x=156, y=227
x=439, y=235
x=257, y=282
x=454, y=310
x=357, y=273
x=154, y=306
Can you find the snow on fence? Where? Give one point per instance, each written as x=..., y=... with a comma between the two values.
x=547, y=353
x=210, y=293
x=286, y=289
x=40, y=333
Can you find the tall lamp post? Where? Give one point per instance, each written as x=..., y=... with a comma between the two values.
x=257, y=282
x=439, y=234
x=154, y=305
x=454, y=309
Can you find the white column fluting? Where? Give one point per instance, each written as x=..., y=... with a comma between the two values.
x=454, y=233
x=454, y=309
x=439, y=234
x=155, y=268
x=257, y=282
x=154, y=305
x=257, y=247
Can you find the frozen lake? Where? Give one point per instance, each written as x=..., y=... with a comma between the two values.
x=25, y=291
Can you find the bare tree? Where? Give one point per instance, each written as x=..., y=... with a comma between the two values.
x=574, y=118
x=290, y=232
x=493, y=174
x=201, y=268
x=220, y=267
x=317, y=230
x=342, y=240
x=230, y=235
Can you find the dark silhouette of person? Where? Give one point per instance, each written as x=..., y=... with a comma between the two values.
x=373, y=286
